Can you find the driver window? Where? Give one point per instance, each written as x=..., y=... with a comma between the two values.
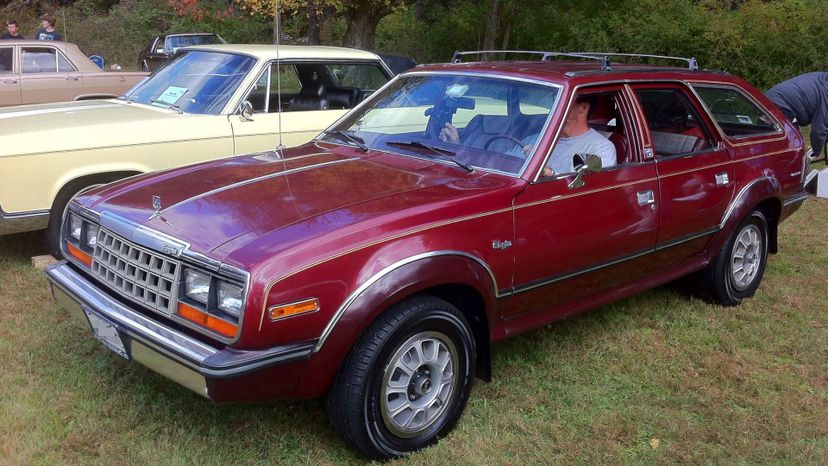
x=595, y=125
x=6, y=60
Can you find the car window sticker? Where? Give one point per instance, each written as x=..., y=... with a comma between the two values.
x=172, y=95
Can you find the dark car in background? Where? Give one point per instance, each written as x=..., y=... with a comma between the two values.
x=162, y=48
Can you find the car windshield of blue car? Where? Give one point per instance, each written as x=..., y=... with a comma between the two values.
x=194, y=82
x=481, y=122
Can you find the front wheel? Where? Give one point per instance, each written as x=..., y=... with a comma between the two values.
x=406, y=380
x=738, y=267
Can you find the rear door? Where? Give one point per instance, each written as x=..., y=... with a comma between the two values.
x=9, y=78
x=695, y=169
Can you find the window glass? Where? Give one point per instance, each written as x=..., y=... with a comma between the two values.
x=39, y=60
x=476, y=121
x=173, y=43
x=64, y=65
x=737, y=115
x=674, y=124
x=6, y=60
x=366, y=77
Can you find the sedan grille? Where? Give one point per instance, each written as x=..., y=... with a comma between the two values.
x=141, y=275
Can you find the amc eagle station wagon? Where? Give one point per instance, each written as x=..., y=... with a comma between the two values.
x=378, y=263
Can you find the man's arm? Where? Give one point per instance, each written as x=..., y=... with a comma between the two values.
x=819, y=131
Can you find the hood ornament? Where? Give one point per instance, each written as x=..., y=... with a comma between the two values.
x=156, y=204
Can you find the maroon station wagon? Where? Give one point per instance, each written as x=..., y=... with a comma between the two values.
x=461, y=204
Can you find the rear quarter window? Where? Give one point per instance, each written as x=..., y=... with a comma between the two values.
x=737, y=115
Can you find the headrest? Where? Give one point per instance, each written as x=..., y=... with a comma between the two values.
x=314, y=89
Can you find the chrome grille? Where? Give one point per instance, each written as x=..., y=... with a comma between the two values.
x=142, y=275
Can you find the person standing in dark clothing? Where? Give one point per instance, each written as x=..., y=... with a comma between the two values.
x=11, y=26
x=804, y=100
x=47, y=32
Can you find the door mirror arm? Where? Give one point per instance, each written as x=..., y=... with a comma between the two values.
x=584, y=163
x=246, y=111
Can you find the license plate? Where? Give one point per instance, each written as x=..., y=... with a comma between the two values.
x=106, y=332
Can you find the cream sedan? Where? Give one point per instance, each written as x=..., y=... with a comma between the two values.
x=208, y=102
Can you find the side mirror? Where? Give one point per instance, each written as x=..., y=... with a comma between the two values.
x=246, y=111
x=159, y=50
x=584, y=163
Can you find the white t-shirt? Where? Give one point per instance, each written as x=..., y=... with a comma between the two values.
x=591, y=142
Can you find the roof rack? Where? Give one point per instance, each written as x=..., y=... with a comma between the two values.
x=545, y=56
x=603, y=57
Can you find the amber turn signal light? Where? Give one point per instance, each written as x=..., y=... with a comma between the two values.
x=202, y=318
x=292, y=309
x=75, y=252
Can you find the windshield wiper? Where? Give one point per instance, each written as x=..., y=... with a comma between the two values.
x=126, y=98
x=167, y=104
x=356, y=140
x=442, y=154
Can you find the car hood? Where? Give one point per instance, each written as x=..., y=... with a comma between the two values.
x=89, y=124
x=311, y=191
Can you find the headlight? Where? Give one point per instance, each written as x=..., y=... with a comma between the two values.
x=230, y=298
x=91, y=236
x=75, y=226
x=197, y=286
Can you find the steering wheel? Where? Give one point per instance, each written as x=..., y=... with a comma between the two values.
x=494, y=138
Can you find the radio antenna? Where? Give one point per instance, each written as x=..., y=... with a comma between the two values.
x=278, y=19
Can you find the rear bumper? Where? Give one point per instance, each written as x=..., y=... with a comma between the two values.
x=22, y=222
x=222, y=374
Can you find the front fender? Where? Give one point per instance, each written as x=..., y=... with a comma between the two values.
x=393, y=284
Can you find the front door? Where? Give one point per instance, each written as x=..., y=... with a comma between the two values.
x=9, y=79
x=571, y=244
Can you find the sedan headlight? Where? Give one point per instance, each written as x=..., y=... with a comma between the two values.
x=197, y=286
x=75, y=227
x=91, y=236
x=230, y=298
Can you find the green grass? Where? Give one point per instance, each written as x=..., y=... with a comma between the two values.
x=743, y=385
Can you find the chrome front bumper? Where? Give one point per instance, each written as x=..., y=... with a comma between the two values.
x=173, y=354
x=26, y=221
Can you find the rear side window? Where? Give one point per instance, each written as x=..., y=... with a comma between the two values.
x=736, y=114
x=674, y=124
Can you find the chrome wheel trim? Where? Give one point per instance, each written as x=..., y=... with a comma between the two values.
x=746, y=257
x=418, y=383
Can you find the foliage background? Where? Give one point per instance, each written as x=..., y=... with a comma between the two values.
x=764, y=41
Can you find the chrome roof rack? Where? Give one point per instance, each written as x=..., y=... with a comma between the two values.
x=603, y=57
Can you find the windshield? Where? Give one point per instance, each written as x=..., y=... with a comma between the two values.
x=194, y=82
x=487, y=123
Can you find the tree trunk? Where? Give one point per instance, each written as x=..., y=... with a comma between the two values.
x=362, y=28
x=492, y=26
x=314, y=23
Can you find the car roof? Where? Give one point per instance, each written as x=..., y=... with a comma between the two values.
x=289, y=52
x=576, y=72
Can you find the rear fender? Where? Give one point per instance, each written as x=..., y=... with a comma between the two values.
x=406, y=278
x=766, y=191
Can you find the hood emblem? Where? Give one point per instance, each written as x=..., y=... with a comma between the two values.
x=156, y=204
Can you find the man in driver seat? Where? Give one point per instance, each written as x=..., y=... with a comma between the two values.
x=578, y=138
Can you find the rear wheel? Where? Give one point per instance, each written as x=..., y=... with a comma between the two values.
x=406, y=381
x=738, y=267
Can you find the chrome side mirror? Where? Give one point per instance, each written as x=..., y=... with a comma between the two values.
x=246, y=110
x=584, y=163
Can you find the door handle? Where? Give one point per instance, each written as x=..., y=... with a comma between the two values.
x=722, y=179
x=646, y=198
x=74, y=78
x=10, y=81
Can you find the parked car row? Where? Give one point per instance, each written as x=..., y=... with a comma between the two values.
x=416, y=223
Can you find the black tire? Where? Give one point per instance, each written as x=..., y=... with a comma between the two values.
x=357, y=401
x=720, y=281
x=62, y=200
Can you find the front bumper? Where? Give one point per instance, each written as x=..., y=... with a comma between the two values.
x=222, y=374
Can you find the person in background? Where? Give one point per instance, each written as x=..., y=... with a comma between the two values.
x=48, y=32
x=12, y=33
x=804, y=100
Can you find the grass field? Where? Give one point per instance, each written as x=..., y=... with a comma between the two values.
x=659, y=378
